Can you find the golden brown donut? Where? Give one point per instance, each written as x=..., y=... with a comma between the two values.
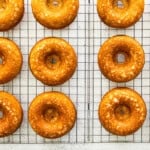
x=52, y=114
x=11, y=57
x=11, y=12
x=122, y=111
x=55, y=14
x=12, y=114
x=120, y=17
x=52, y=61
x=121, y=71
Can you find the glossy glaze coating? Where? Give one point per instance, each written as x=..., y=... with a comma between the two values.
x=52, y=61
x=52, y=114
x=55, y=14
x=11, y=12
x=120, y=17
x=11, y=57
x=12, y=114
x=121, y=71
x=122, y=111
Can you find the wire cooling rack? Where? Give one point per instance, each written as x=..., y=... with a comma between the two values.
x=87, y=85
x=100, y=85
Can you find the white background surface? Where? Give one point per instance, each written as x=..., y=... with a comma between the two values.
x=102, y=146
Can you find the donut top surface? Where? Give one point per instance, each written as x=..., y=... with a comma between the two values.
x=120, y=16
x=11, y=114
x=130, y=67
x=52, y=114
x=11, y=12
x=55, y=14
x=122, y=111
x=52, y=61
x=11, y=60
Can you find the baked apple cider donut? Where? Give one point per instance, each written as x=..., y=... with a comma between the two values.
x=12, y=114
x=11, y=60
x=52, y=61
x=124, y=70
x=11, y=12
x=122, y=111
x=55, y=14
x=120, y=16
x=52, y=114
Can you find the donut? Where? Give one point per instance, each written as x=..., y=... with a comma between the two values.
x=55, y=14
x=120, y=16
x=12, y=114
x=52, y=61
x=52, y=114
x=116, y=70
x=122, y=111
x=11, y=60
x=11, y=12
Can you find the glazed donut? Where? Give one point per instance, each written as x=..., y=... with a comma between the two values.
x=122, y=111
x=12, y=114
x=11, y=57
x=52, y=114
x=55, y=14
x=11, y=12
x=120, y=17
x=109, y=63
x=52, y=61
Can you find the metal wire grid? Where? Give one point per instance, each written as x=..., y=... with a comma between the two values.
x=25, y=87
x=100, y=85
x=88, y=85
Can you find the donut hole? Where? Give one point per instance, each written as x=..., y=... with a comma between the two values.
x=1, y=114
x=119, y=4
x=121, y=56
x=54, y=3
x=1, y=60
x=52, y=61
x=2, y=4
x=122, y=112
x=51, y=114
